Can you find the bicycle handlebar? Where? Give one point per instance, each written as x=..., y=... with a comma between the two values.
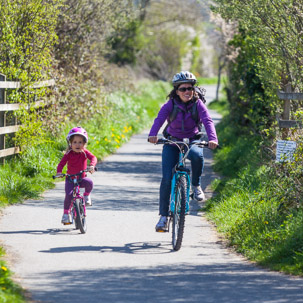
x=74, y=175
x=167, y=141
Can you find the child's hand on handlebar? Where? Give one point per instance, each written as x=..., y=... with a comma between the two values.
x=91, y=169
x=58, y=175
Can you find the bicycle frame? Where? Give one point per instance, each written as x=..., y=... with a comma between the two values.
x=76, y=193
x=180, y=169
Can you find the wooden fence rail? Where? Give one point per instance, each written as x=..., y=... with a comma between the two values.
x=285, y=122
x=8, y=107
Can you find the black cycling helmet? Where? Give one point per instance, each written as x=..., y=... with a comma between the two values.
x=184, y=77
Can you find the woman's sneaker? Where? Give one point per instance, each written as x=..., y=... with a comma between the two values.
x=198, y=194
x=66, y=219
x=162, y=224
x=88, y=200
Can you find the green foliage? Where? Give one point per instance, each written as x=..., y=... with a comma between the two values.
x=255, y=106
x=273, y=27
x=268, y=57
x=9, y=291
x=207, y=81
x=248, y=212
x=27, y=37
x=28, y=176
x=196, y=55
x=221, y=106
x=126, y=44
x=85, y=27
x=85, y=78
x=230, y=160
x=162, y=54
x=258, y=206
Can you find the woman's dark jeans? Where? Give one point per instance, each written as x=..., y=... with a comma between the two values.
x=170, y=157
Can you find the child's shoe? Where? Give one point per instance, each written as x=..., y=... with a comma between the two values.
x=88, y=200
x=66, y=219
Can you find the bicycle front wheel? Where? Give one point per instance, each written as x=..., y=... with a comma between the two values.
x=179, y=213
x=80, y=216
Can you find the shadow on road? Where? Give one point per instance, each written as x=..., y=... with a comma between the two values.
x=34, y=232
x=129, y=248
x=224, y=283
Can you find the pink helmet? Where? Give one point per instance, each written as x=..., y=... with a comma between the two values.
x=77, y=131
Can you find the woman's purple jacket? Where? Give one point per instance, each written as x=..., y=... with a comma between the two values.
x=184, y=126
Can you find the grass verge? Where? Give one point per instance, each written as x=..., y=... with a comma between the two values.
x=10, y=292
x=247, y=208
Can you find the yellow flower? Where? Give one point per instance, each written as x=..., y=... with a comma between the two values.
x=123, y=136
x=105, y=139
x=113, y=129
x=4, y=268
x=119, y=137
x=117, y=141
x=265, y=222
x=97, y=142
x=113, y=135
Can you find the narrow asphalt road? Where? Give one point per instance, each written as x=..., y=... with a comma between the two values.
x=121, y=258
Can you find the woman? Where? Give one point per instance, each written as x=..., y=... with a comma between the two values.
x=183, y=126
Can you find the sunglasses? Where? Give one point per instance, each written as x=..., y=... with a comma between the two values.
x=184, y=89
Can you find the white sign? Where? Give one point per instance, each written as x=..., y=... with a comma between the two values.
x=285, y=150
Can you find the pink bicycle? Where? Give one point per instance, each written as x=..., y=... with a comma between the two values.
x=78, y=209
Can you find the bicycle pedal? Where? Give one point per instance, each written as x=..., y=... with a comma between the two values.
x=162, y=230
x=67, y=223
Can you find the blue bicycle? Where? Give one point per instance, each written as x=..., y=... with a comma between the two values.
x=180, y=189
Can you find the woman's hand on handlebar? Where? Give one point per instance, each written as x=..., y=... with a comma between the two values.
x=153, y=139
x=212, y=144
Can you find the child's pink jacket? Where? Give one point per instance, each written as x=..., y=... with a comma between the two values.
x=76, y=161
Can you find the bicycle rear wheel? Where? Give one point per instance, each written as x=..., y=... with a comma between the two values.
x=179, y=213
x=80, y=216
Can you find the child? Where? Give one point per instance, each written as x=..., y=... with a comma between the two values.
x=76, y=159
